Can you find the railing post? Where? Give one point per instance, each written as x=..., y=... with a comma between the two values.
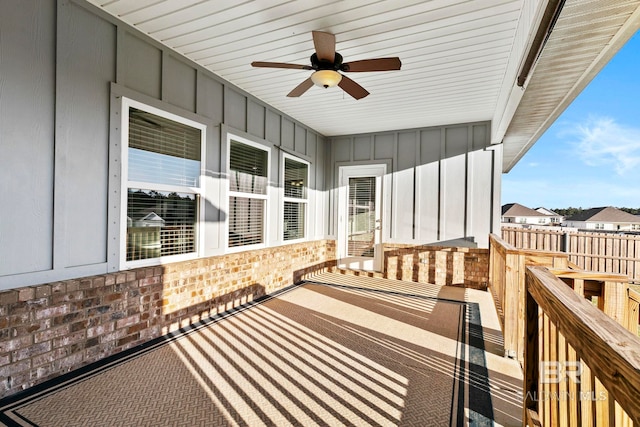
x=616, y=300
x=565, y=242
x=531, y=358
x=511, y=303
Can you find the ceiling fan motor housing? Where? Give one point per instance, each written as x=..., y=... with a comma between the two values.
x=317, y=64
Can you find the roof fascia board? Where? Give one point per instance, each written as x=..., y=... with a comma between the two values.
x=510, y=93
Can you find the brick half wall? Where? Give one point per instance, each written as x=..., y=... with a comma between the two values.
x=465, y=267
x=48, y=330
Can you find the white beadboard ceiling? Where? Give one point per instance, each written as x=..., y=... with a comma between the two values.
x=459, y=57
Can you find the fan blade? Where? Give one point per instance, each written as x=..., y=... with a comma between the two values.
x=379, y=64
x=352, y=88
x=301, y=88
x=325, y=44
x=280, y=65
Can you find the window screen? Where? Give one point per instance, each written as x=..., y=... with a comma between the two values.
x=163, y=195
x=248, y=181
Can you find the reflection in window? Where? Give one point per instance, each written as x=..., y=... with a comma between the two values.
x=160, y=223
x=163, y=158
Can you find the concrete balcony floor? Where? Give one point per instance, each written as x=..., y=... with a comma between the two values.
x=336, y=350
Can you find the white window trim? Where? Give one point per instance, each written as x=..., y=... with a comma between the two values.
x=305, y=201
x=127, y=103
x=232, y=249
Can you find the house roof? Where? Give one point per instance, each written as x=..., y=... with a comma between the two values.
x=547, y=211
x=460, y=60
x=152, y=216
x=605, y=214
x=516, y=209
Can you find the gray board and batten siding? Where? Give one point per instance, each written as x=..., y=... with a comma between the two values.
x=63, y=67
x=444, y=181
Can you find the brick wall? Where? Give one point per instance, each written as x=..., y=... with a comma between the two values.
x=51, y=329
x=468, y=267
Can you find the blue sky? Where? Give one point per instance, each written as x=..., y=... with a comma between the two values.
x=590, y=156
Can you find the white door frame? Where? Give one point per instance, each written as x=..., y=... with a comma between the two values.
x=344, y=173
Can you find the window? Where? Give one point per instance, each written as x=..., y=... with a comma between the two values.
x=248, y=182
x=599, y=226
x=163, y=157
x=296, y=182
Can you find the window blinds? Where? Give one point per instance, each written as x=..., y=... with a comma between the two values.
x=248, y=180
x=163, y=151
x=296, y=176
x=248, y=168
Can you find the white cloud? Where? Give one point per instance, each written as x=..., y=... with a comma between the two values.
x=601, y=141
x=534, y=164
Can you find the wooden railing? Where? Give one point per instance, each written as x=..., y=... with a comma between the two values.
x=609, y=292
x=581, y=367
x=594, y=251
x=506, y=281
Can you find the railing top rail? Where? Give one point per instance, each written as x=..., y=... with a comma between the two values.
x=611, y=351
x=590, y=275
x=533, y=230
x=510, y=249
x=497, y=240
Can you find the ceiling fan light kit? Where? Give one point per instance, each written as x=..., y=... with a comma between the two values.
x=327, y=62
x=326, y=78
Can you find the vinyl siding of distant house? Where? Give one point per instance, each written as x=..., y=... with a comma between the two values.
x=533, y=220
x=601, y=225
x=554, y=218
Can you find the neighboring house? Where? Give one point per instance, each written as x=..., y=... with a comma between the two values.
x=150, y=220
x=604, y=218
x=515, y=213
x=554, y=217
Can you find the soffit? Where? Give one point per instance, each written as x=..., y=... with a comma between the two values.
x=459, y=58
x=454, y=54
x=585, y=37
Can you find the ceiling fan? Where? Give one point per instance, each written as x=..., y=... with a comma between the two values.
x=327, y=62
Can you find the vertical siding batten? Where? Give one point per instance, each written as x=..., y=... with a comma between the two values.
x=439, y=180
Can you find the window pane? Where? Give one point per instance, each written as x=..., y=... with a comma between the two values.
x=295, y=179
x=163, y=151
x=293, y=220
x=160, y=224
x=248, y=168
x=246, y=221
x=361, y=232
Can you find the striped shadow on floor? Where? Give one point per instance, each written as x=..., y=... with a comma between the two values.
x=328, y=352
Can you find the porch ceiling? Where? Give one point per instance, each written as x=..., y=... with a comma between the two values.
x=459, y=58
